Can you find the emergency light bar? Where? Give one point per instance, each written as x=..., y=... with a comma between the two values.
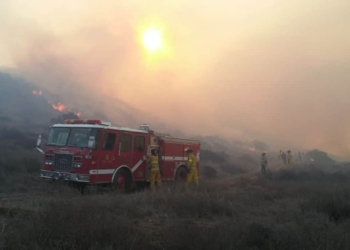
x=78, y=121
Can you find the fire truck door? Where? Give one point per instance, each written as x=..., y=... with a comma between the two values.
x=138, y=162
x=107, y=156
x=125, y=149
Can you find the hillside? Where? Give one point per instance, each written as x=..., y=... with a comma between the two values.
x=30, y=108
x=22, y=106
x=26, y=106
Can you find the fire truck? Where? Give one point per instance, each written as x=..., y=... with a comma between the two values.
x=95, y=152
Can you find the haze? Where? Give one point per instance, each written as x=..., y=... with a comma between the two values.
x=276, y=71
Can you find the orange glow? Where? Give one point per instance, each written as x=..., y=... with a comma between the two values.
x=63, y=108
x=59, y=106
x=252, y=149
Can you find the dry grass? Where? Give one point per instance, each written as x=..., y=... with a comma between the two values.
x=304, y=208
x=244, y=212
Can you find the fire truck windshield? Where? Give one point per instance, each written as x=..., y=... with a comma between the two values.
x=78, y=137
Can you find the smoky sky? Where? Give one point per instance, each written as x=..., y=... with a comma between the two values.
x=267, y=70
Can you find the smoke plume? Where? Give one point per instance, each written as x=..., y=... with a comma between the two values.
x=266, y=70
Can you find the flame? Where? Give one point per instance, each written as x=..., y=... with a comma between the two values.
x=62, y=108
x=59, y=106
x=37, y=92
x=252, y=149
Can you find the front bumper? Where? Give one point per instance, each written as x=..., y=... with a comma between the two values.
x=64, y=176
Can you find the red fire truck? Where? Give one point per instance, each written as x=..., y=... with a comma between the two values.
x=95, y=152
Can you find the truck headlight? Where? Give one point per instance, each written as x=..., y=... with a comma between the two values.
x=77, y=165
x=48, y=162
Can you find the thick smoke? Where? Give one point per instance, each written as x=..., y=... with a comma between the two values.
x=272, y=71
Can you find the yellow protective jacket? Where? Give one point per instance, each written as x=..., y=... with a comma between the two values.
x=192, y=161
x=290, y=158
x=263, y=160
x=153, y=160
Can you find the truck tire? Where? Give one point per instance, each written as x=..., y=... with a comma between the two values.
x=122, y=181
x=181, y=174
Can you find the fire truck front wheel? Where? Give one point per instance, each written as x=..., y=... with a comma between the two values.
x=122, y=181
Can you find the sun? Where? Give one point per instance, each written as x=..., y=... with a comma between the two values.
x=152, y=39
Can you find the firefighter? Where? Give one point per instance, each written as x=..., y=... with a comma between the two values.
x=280, y=155
x=192, y=167
x=284, y=157
x=263, y=163
x=154, y=167
x=290, y=159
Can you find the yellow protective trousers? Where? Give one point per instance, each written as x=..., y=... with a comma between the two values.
x=193, y=175
x=155, y=177
x=290, y=163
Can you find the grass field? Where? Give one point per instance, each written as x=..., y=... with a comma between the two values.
x=306, y=208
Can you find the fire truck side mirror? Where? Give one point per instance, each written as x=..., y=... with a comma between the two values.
x=91, y=143
x=38, y=142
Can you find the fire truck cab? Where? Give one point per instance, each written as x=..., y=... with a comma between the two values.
x=95, y=152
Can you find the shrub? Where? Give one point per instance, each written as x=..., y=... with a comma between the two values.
x=208, y=171
x=69, y=225
x=211, y=217
x=259, y=145
x=247, y=160
x=11, y=165
x=232, y=169
x=314, y=175
x=210, y=156
x=335, y=205
x=319, y=156
x=11, y=134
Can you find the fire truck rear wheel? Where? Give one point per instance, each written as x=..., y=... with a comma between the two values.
x=181, y=174
x=122, y=181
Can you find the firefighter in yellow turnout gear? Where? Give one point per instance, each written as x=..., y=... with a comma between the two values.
x=192, y=167
x=290, y=159
x=263, y=163
x=155, y=172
